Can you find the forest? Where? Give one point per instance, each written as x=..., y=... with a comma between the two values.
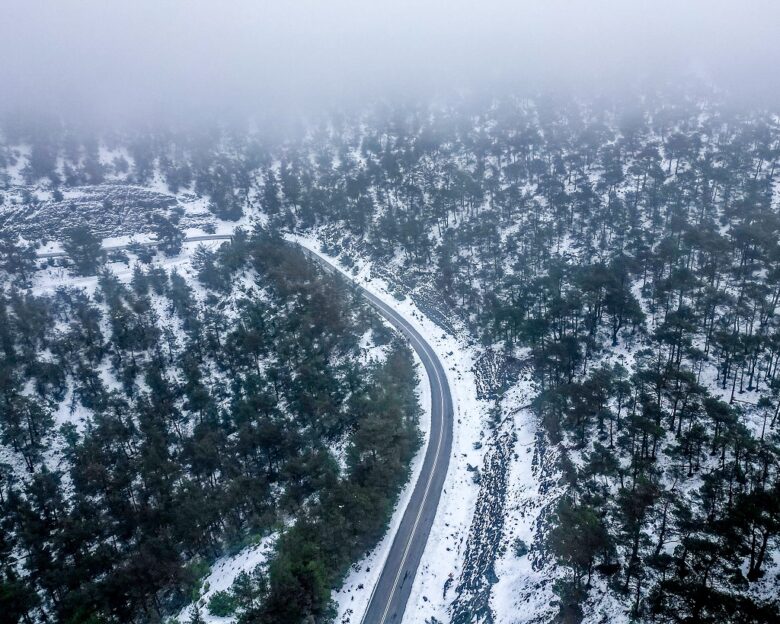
x=629, y=247
x=155, y=424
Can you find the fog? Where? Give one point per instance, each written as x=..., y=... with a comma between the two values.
x=106, y=59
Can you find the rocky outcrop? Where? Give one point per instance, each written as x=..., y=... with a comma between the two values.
x=472, y=594
x=109, y=209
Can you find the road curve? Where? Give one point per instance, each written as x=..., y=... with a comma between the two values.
x=391, y=592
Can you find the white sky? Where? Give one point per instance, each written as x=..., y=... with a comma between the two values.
x=111, y=57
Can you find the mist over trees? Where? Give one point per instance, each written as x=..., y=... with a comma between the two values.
x=589, y=190
x=627, y=249
x=635, y=255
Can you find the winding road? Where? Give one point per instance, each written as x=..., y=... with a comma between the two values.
x=391, y=593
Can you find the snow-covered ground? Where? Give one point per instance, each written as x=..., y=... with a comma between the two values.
x=49, y=279
x=443, y=554
x=523, y=593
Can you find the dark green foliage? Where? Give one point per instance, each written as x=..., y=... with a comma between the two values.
x=83, y=249
x=168, y=234
x=213, y=433
x=222, y=604
x=16, y=259
x=520, y=548
x=579, y=538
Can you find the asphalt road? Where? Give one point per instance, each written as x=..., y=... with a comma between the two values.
x=391, y=593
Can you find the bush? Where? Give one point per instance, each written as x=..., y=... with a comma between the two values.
x=222, y=604
x=520, y=548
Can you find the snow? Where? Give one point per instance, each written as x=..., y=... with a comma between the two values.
x=353, y=596
x=123, y=241
x=522, y=593
x=49, y=279
x=16, y=171
x=371, y=353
